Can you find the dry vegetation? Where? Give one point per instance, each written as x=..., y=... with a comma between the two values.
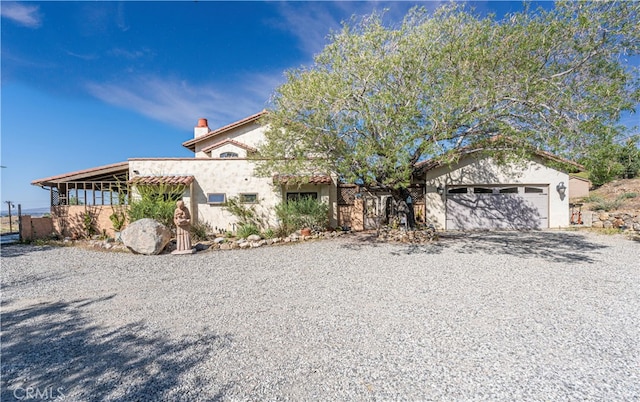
x=618, y=195
x=4, y=224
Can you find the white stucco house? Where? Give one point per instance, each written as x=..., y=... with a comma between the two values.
x=476, y=193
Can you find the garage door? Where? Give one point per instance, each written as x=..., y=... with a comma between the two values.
x=497, y=207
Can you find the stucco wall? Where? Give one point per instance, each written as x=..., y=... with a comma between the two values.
x=230, y=176
x=487, y=171
x=68, y=220
x=250, y=134
x=35, y=228
x=578, y=187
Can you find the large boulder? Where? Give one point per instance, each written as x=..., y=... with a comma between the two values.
x=146, y=236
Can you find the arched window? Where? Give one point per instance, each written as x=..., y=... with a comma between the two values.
x=229, y=155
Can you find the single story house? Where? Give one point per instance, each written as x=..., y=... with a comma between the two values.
x=474, y=193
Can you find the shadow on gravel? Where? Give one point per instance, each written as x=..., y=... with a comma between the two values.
x=16, y=250
x=561, y=247
x=55, y=351
x=567, y=247
x=362, y=240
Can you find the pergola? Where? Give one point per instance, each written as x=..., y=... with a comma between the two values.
x=102, y=185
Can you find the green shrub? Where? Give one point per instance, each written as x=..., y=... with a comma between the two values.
x=246, y=214
x=247, y=230
x=593, y=198
x=88, y=224
x=156, y=202
x=607, y=205
x=269, y=234
x=200, y=231
x=305, y=212
x=627, y=196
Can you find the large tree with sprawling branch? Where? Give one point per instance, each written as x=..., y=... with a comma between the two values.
x=380, y=99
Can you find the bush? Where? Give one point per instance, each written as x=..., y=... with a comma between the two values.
x=247, y=230
x=305, y=212
x=200, y=231
x=246, y=214
x=626, y=196
x=157, y=202
x=269, y=234
x=159, y=210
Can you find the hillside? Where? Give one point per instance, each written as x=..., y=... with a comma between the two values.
x=618, y=195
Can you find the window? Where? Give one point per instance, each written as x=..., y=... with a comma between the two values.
x=249, y=198
x=483, y=190
x=229, y=155
x=509, y=190
x=457, y=190
x=298, y=196
x=216, y=198
x=535, y=190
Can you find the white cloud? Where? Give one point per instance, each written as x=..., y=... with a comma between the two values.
x=180, y=104
x=313, y=23
x=27, y=16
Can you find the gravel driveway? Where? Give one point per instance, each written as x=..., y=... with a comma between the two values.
x=491, y=316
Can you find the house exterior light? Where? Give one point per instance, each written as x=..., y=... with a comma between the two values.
x=561, y=188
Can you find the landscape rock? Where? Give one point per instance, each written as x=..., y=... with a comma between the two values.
x=146, y=236
x=254, y=237
x=203, y=246
x=218, y=240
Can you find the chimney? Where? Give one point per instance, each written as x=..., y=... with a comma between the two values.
x=201, y=129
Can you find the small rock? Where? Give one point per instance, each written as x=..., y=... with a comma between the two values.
x=607, y=224
x=598, y=224
x=218, y=240
x=617, y=223
x=226, y=246
x=245, y=244
x=254, y=237
x=202, y=246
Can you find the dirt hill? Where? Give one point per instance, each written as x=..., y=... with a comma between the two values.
x=618, y=195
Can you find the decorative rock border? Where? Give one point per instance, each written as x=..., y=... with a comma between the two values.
x=624, y=220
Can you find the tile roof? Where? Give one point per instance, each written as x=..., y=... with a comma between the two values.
x=170, y=180
x=191, y=144
x=301, y=179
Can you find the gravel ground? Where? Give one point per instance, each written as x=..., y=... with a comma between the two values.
x=493, y=316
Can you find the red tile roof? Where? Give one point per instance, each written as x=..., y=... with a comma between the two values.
x=170, y=180
x=191, y=144
x=301, y=179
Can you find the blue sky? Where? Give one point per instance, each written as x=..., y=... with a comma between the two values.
x=92, y=83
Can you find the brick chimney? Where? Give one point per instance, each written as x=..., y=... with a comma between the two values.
x=201, y=129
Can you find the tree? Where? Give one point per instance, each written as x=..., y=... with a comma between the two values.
x=380, y=99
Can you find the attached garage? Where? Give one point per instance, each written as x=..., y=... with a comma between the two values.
x=478, y=193
x=515, y=207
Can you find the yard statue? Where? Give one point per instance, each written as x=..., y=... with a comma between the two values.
x=182, y=219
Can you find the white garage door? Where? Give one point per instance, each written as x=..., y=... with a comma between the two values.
x=497, y=207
